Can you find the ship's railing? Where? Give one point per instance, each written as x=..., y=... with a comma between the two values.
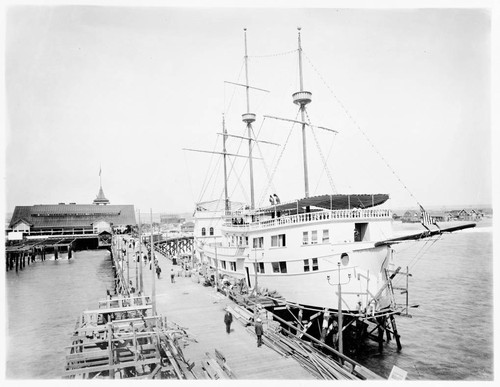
x=358, y=214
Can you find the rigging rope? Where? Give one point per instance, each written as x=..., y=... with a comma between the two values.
x=419, y=255
x=204, y=186
x=359, y=128
x=234, y=89
x=264, y=162
x=273, y=55
x=279, y=159
x=330, y=179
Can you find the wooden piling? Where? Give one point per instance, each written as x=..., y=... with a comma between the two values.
x=395, y=332
x=380, y=327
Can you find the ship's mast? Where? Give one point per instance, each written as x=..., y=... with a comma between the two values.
x=302, y=98
x=224, y=137
x=248, y=118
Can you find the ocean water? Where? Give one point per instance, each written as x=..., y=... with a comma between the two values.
x=448, y=337
x=450, y=333
x=43, y=302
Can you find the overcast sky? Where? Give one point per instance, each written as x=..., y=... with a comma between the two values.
x=126, y=88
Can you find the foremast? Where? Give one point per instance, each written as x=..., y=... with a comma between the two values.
x=248, y=118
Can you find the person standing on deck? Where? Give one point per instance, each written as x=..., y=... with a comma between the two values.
x=259, y=331
x=228, y=319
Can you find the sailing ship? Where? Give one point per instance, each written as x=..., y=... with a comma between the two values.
x=303, y=247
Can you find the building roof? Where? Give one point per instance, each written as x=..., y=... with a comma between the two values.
x=73, y=215
x=101, y=199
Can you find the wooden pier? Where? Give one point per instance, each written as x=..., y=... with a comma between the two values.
x=188, y=338
x=200, y=310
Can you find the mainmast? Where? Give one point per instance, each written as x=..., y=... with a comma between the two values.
x=248, y=118
x=302, y=98
x=224, y=137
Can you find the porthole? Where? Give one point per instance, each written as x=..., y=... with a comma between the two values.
x=344, y=258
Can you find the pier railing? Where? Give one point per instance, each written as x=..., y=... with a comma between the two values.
x=358, y=214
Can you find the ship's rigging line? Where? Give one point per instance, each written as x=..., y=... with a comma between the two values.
x=263, y=159
x=205, y=182
x=419, y=255
x=358, y=127
x=226, y=109
x=264, y=193
x=330, y=179
x=276, y=54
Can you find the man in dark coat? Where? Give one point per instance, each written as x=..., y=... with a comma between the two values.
x=259, y=331
x=228, y=319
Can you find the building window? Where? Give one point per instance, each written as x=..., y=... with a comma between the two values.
x=246, y=241
x=279, y=267
x=203, y=231
x=305, y=237
x=211, y=231
x=233, y=266
x=326, y=236
x=223, y=264
x=315, y=264
x=259, y=267
x=306, y=265
x=258, y=243
x=278, y=240
x=314, y=237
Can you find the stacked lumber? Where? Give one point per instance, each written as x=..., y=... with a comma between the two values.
x=216, y=368
x=314, y=361
x=241, y=314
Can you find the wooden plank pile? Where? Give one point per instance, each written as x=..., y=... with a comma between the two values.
x=143, y=348
x=216, y=368
x=317, y=363
x=243, y=315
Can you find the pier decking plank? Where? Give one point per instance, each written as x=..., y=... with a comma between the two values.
x=201, y=311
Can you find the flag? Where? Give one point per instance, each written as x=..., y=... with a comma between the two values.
x=425, y=218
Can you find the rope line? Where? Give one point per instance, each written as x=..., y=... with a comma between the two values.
x=208, y=177
x=274, y=55
x=279, y=159
x=330, y=179
x=264, y=163
x=358, y=127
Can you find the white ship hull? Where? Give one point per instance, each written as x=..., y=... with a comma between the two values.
x=305, y=271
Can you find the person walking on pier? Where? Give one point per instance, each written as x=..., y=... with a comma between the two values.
x=228, y=319
x=259, y=331
x=158, y=271
x=172, y=276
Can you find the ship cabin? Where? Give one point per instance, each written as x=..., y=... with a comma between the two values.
x=269, y=238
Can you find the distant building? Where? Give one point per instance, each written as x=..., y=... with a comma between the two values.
x=464, y=214
x=411, y=216
x=71, y=219
x=170, y=219
x=187, y=227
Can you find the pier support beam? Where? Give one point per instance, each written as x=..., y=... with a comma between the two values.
x=395, y=332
